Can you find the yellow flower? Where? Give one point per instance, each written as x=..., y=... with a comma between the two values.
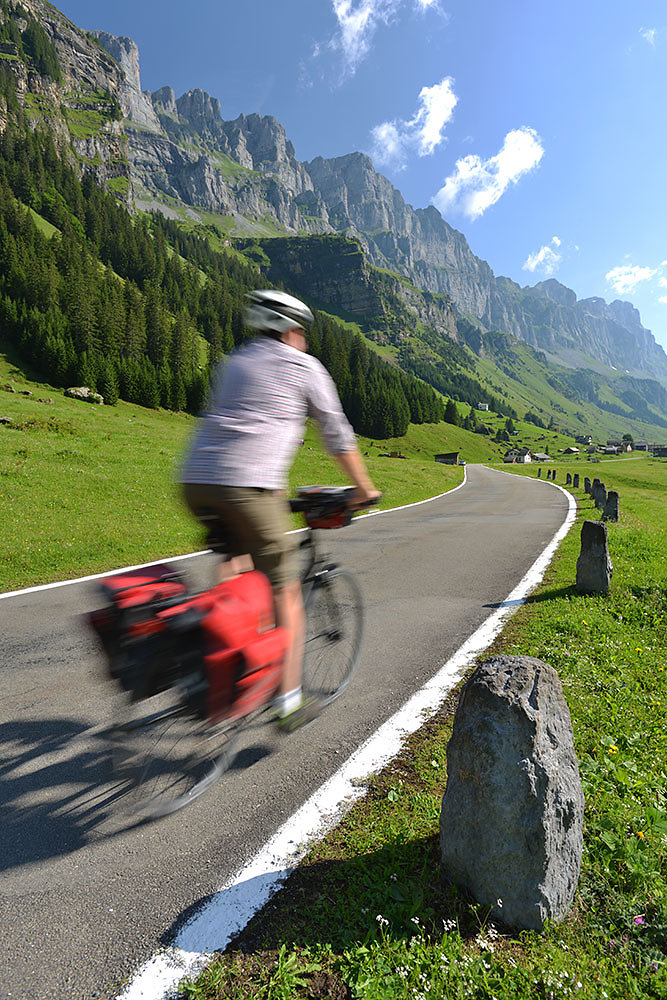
x=641, y=835
x=613, y=749
x=584, y=622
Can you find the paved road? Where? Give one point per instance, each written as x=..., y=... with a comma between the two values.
x=83, y=899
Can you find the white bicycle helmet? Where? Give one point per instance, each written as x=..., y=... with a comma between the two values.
x=271, y=311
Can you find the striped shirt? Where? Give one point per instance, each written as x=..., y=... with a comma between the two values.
x=259, y=403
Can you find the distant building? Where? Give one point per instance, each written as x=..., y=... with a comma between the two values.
x=592, y=448
x=541, y=456
x=571, y=450
x=448, y=458
x=583, y=439
x=641, y=445
x=659, y=451
x=611, y=449
x=517, y=455
x=483, y=406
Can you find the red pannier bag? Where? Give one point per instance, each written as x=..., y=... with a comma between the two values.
x=244, y=649
x=133, y=598
x=155, y=633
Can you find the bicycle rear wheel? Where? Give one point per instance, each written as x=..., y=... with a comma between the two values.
x=166, y=756
x=334, y=624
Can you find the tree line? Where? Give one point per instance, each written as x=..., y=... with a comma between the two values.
x=140, y=310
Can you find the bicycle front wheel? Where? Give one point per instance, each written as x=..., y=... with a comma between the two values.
x=165, y=756
x=334, y=622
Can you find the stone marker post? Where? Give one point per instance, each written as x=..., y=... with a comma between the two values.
x=539, y=473
x=610, y=512
x=594, y=566
x=587, y=485
x=568, y=479
x=511, y=825
x=600, y=496
x=575, y=481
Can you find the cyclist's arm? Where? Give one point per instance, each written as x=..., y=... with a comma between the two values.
x=324, y=405
x=354, y=468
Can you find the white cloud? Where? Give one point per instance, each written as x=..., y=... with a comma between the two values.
x=358, y=21
x=477, y=184
x=437, y=106
x=392, y=141
x=648, y=34
x=624, y=279
x=663, y=281
x=663, y=299
x=546, y=259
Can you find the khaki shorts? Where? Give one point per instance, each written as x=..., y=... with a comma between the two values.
x=256, y=522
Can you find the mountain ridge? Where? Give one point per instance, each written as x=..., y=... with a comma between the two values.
x=180, y=151
x=179, y=155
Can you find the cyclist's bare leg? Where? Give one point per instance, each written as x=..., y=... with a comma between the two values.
x=229, y=568
x=290, y=614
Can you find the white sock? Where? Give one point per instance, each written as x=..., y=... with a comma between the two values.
x=286, y=703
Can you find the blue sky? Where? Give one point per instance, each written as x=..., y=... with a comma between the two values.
x=538, y=129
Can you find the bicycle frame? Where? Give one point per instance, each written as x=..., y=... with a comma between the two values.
x=315, y=566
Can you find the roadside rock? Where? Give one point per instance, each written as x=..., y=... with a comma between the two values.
x=594, y=566
x=511, y=825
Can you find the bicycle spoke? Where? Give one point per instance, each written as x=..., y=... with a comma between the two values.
x=333, y=635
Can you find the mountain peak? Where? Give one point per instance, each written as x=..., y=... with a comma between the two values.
x=199, y=108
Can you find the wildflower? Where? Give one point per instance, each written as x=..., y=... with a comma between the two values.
x=415, y=920
x=613, y=749
x=584, y=622
x=499, y=903
x=639, y=920
x=641, y=835
x=448, y=925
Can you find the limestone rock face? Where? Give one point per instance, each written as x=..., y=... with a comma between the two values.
x=511, y=825
x=136, y=106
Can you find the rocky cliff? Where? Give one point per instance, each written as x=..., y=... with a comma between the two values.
x=78, y=108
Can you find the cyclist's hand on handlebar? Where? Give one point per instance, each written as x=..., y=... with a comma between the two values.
x=364, y=498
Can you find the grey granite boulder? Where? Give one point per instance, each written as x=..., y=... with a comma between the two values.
x=511, y=824
x=594, y=565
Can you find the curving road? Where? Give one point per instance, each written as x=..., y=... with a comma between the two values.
x=83, y=898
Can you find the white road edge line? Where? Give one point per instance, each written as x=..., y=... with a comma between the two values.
x=193, y=555
x=233, y=905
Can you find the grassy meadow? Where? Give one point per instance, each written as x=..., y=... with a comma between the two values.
x=368, y=915
x=87, y=488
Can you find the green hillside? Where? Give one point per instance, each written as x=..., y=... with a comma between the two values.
x=88, y=488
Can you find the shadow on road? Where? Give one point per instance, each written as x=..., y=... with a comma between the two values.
x=57, y=788
x=54, y=788
x=544, y=595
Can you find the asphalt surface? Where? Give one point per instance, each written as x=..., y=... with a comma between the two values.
x=85, y=898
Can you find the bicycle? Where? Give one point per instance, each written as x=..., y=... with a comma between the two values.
x=178, y=732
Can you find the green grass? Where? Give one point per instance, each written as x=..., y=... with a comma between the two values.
x=84, y=488
x=368, y=916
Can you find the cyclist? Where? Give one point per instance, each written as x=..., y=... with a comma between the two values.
x=239, y=458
